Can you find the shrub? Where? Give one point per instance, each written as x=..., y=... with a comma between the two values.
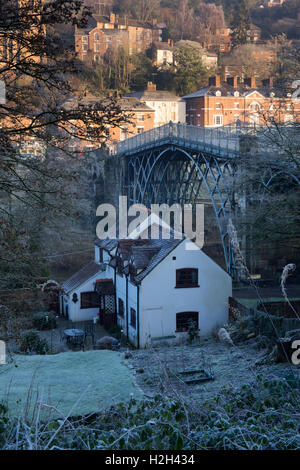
x=115, y=331
x=3, y=422
x=44, y=321
x=193, y=332
x=33, y=343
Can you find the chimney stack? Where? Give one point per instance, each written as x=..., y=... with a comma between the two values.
x=232, y=81
x=250, y=82
x=268, y=82
x=151, y=86
x=215, y=81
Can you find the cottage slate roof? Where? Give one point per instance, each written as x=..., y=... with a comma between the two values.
x=164, y=248
x=86, y=273
x=142, y=255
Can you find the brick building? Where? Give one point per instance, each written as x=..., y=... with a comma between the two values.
x=103, y=32
x=139, y=118
x=166, y=105
x=231, y=103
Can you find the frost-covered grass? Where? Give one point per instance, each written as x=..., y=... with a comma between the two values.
x=100, y=378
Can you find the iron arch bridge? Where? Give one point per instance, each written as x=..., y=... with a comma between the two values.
x=179, y=164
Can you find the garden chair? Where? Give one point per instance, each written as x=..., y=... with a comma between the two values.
x=78, y=341
x=62, y=336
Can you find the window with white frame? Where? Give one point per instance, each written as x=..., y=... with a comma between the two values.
x=218, y=120
x=218, y=105
x=141, y=117
x=236, y=105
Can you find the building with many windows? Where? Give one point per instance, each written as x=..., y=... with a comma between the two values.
x=233, y=103
x=104, y=32
x=167, y=106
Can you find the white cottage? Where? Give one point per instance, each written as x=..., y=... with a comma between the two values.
x=152, y=287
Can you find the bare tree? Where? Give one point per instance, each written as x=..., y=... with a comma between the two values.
x=35, y=68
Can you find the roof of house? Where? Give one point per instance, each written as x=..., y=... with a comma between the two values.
x=228, y=90
x=155, y=95
x=86, y=273
x=145, y=252
x=126, y=21
x=131, y=103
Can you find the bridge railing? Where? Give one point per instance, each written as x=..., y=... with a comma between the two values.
x=221, y=140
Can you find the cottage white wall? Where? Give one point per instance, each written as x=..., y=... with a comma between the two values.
x=75, y=312
x=132, y=303
x=161, y=300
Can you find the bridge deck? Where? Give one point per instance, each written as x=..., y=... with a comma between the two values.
x=222, y=141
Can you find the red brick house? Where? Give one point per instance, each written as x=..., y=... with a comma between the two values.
x=230, y=103
x=103, y=32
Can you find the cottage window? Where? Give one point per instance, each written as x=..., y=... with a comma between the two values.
x=132, y=318
x=236, y=105
x=141, y=117
x=218, y=105
x=121, y=307
x=186, y=319
x=187, y=277
x=89, y=300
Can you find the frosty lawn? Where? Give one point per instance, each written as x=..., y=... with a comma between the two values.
x=59, y=380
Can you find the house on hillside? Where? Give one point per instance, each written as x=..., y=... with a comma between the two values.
x=153, y=288
x=167, y=106
x=104, y=32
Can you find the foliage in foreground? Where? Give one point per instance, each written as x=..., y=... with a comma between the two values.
x=260, y=416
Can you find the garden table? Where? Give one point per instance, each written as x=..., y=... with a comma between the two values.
x=72, y=333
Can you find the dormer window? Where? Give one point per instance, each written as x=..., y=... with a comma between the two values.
x=236, y=94
x=272, y=94
x=218, y=93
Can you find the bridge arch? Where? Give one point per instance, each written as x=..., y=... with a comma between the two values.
x=176, y=175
